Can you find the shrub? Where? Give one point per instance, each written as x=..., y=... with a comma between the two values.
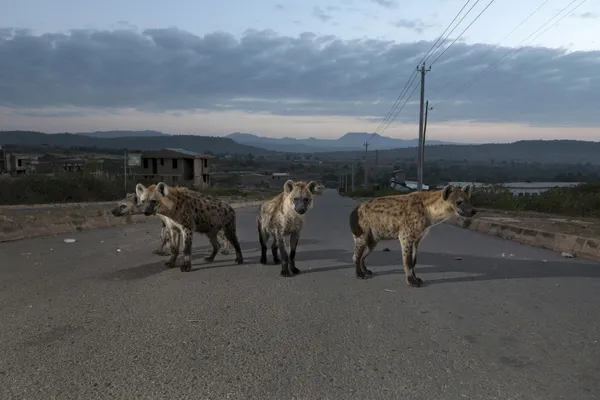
x=78, y=188
x=582, y=200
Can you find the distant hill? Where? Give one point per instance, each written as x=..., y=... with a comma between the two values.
x=200, y=144
x=120, y=134
x=540, y=151
x=350, y=141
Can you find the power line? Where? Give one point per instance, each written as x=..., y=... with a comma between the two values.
x=503, y=39
x=515, y=28
x=517, y=48
x=442, y=35
x=394, y=106
x=462, y=33
x=455, y=26
x=413, y=75
x=406, y=101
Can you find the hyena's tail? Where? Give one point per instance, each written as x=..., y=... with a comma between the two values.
x=354, y=223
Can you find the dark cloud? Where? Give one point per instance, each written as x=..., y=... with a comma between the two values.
x=415, y=25
x=386, y=3
x=587, y=15
x=172, y=70
x=320, y=14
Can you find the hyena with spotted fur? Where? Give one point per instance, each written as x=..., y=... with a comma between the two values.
x=282, y=218
x=191, y=212
x=408, y=218
x=130, y=206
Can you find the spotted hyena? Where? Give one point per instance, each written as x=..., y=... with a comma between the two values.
x=191, y=211
x=130, y=206
x=405, y=217
x=282, y=219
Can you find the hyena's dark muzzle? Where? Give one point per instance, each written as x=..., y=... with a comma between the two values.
x=301, y=205
x=149, y=208
x=467, y=212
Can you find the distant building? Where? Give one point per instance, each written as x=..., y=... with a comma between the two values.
x=520, y=188
x=174, y=166
x=17, y=163
x=412, y=185
x=73, y=165
x=279, y=178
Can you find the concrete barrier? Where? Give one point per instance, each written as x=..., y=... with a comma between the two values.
x=576, y=245
x=24, y=222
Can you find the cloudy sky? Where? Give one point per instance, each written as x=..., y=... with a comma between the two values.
x=300, y=69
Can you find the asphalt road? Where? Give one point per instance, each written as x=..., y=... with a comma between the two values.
x=102, y=318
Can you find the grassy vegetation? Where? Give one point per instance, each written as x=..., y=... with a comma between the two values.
x=579, y=201
x=86, y=188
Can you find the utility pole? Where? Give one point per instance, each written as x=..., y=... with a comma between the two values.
x=422, y=145
x=125, y=170
x=352, y=177
x=423, y=71
x=366, y=171
x=346, y=180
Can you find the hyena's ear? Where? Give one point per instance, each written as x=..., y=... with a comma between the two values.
x=312, y=187
x=467, y=190
x=162, y=188
x=446, y=192
x=139, y=189
x=288, y=186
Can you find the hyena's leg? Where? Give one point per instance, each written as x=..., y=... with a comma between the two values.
x=371, y=243
x=231, y=234
x=360, y=244
x=165, y=238
x=274, y=247
x=223, y=242
x=408, y=260
x=214, y=241
x=285, y=260
x=186, y=235
x=263, y=238
x=176, y=237
x=294, y=237
x=416, y=250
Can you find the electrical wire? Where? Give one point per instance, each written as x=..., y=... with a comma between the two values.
x=412, y=76
x=442, y=35
x=501, y=40
x=406, y=101
x=455, y=26
x=517, y=48
x=462, y=33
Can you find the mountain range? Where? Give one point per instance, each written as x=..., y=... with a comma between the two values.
x=350, y=141
x=349, y=146
x=114, y=140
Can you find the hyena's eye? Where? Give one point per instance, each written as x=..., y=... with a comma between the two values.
x=459, y=202
x=123, y=206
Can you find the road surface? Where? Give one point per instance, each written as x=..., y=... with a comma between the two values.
x=102, y=318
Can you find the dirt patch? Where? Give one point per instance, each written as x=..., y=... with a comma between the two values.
x=586, y=227
x=20, y=222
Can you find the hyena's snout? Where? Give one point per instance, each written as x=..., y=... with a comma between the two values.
x=468, y=212
x=116, y=211
x=301, y=206
x=148, y=209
